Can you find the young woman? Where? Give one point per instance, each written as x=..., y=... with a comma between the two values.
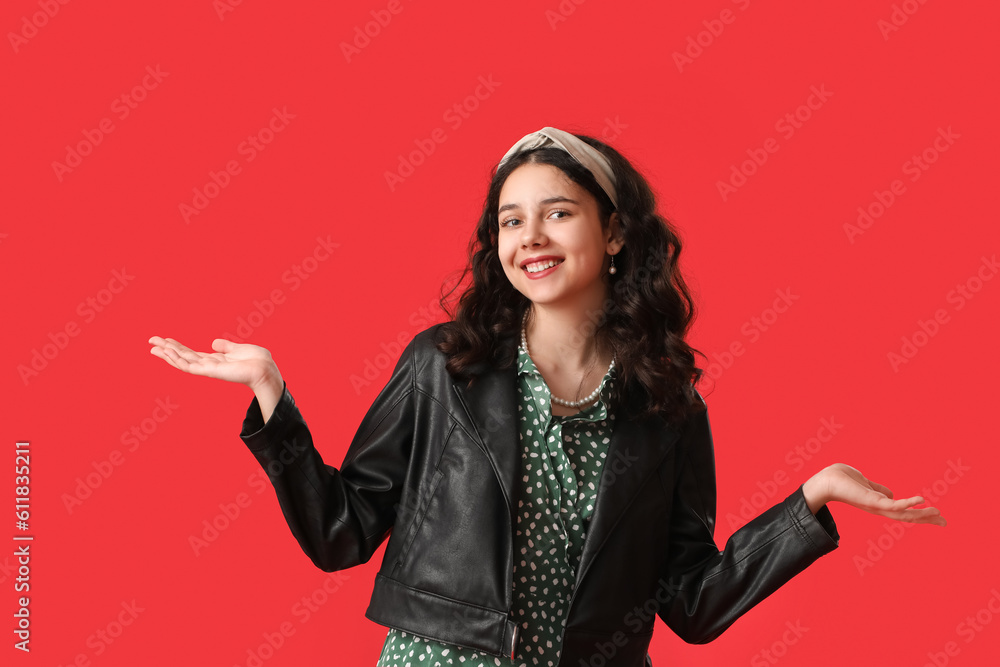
x=542, y=464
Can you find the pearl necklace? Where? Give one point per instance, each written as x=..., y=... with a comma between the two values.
x=589, y=398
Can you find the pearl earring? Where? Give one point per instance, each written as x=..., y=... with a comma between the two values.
x=612, y=270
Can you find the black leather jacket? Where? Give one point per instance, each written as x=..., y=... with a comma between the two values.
x=434, y=466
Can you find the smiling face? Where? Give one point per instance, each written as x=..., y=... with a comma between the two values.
x=550, y=241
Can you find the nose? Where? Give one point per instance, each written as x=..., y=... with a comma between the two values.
x=532, y=232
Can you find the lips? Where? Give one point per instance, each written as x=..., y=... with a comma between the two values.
x=538, y=267
x=540, y=258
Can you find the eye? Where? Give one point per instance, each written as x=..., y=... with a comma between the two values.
x=509, y=221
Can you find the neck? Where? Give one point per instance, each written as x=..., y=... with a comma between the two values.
x=562, y=338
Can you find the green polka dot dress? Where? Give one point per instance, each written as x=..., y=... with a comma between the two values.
x=561, y=462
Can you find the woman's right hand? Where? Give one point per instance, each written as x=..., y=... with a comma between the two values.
x=234, y=362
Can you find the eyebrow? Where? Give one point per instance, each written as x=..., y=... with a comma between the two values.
x=544, y=202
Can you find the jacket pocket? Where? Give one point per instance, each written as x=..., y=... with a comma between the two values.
x=420, y=511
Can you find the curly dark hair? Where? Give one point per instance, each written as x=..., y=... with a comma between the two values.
x=646, y=316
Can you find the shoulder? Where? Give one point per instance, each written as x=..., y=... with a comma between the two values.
x=428, y=337
x=423, y=347
x=423, y=355
x=430, y=363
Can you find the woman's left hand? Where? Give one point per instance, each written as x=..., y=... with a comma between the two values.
x=843, y=483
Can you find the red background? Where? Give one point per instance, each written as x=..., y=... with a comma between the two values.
x=607, y=69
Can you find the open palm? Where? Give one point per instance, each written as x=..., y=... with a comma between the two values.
x=234, y=362
x=845, y=484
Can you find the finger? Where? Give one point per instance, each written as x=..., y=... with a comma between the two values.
x=186, y=364
x=173, y=356
x=926, y=515
x=178, y=360
x=881, y=488
x=177, y=345
x=222, y=345
x=185, y=353
x=904, y=504
x=161, y=353
x=874, y=498
x=915, y=515
x=864, y=481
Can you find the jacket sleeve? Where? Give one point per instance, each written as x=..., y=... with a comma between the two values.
x=711, y=589
x=339, y=517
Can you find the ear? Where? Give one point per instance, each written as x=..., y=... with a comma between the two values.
x=614, y=234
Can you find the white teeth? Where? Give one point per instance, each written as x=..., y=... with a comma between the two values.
x=541, y=266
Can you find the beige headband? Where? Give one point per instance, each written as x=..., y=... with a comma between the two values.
x=582, y=152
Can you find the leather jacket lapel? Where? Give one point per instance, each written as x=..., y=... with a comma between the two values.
x=491, y=405
x=635, y=452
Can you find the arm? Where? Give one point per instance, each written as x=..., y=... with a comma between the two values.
x=339, y=517
x=711, y=589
